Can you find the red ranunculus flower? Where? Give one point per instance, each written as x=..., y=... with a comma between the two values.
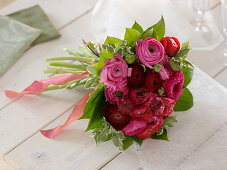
x=152, y=81
x=142, y=114
x=168, y=105
x=116, y=118
x=141, y=96
x=150, y=129
x=171, y=45
x=137, y=77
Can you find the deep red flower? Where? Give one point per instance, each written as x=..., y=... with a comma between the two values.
x=126, y=106
x=168, y=105
x=157, y=107
x=171, y=45
x=116, y=118
x=150, y=129
x=173, y=87
x=152, y=81
x=141, y=96
x=142, y=114
x=137, y=77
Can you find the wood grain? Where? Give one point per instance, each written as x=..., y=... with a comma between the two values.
x=222, y=78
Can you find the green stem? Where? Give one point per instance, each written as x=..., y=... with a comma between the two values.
x=61, y=71
x=68, y=65
x=81, y=59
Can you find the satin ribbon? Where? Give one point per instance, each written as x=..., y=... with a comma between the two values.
x=75, y=115
x=39, y=86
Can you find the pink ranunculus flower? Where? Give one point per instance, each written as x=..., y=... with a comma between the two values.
x=173, y=87
x=115, y=72
x=115, y=95
x=149, y=51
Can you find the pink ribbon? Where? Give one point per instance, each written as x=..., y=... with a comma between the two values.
x=75, y=115
x=39, y=86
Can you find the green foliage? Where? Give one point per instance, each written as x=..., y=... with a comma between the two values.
x=103, y=57
x=112, y=40
x=137, y=27
x=131, y=36
x=183, y=52
x=169, y=121
x=163, y=136
x=156, y=31
x=89, y=107
x=185, y=101
x=187, y=70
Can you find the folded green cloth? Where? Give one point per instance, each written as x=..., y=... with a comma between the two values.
x=36, y=17
x=15, y=38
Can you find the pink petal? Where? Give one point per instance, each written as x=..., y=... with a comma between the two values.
x=134, y=127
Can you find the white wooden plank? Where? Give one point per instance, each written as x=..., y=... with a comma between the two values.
x=27, y=115
x=72, y=149
x=22, y=72
x=192, y=131
x=222, y=78
x=60, y=12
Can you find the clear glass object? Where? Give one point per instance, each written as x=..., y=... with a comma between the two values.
x=200, y=8
x=224, y=21
x=204, y=26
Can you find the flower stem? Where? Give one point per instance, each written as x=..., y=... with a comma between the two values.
x=69, y=65
x=81, y=59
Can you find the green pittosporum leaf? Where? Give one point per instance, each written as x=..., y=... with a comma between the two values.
x=91, y=82
x=187, y=70
x=163, y=136
x=169, y=121
x=183, y=52
x=137, y=27
x=175, y=64
x=131, y=36
x=159, y=28
x=112, y=40
x=185, y=101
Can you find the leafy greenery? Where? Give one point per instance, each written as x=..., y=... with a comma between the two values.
x=163, y=136
x=112, y=40
x=137, y=27
x=183, y=52
x=168, y=122
x=187, y=70
x=156, y=31
x=185, y=101
x=131, y=36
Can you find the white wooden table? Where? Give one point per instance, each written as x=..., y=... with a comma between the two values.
x=21, y=144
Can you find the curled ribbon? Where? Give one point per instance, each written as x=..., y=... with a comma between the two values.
x=39, y=86
x=75, y=115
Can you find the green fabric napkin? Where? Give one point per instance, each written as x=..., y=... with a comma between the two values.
x=15, y=38
x=36, y=17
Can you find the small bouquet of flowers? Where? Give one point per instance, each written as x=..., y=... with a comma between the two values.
x=135, y=85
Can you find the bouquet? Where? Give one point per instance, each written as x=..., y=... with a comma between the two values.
x=135, y=85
